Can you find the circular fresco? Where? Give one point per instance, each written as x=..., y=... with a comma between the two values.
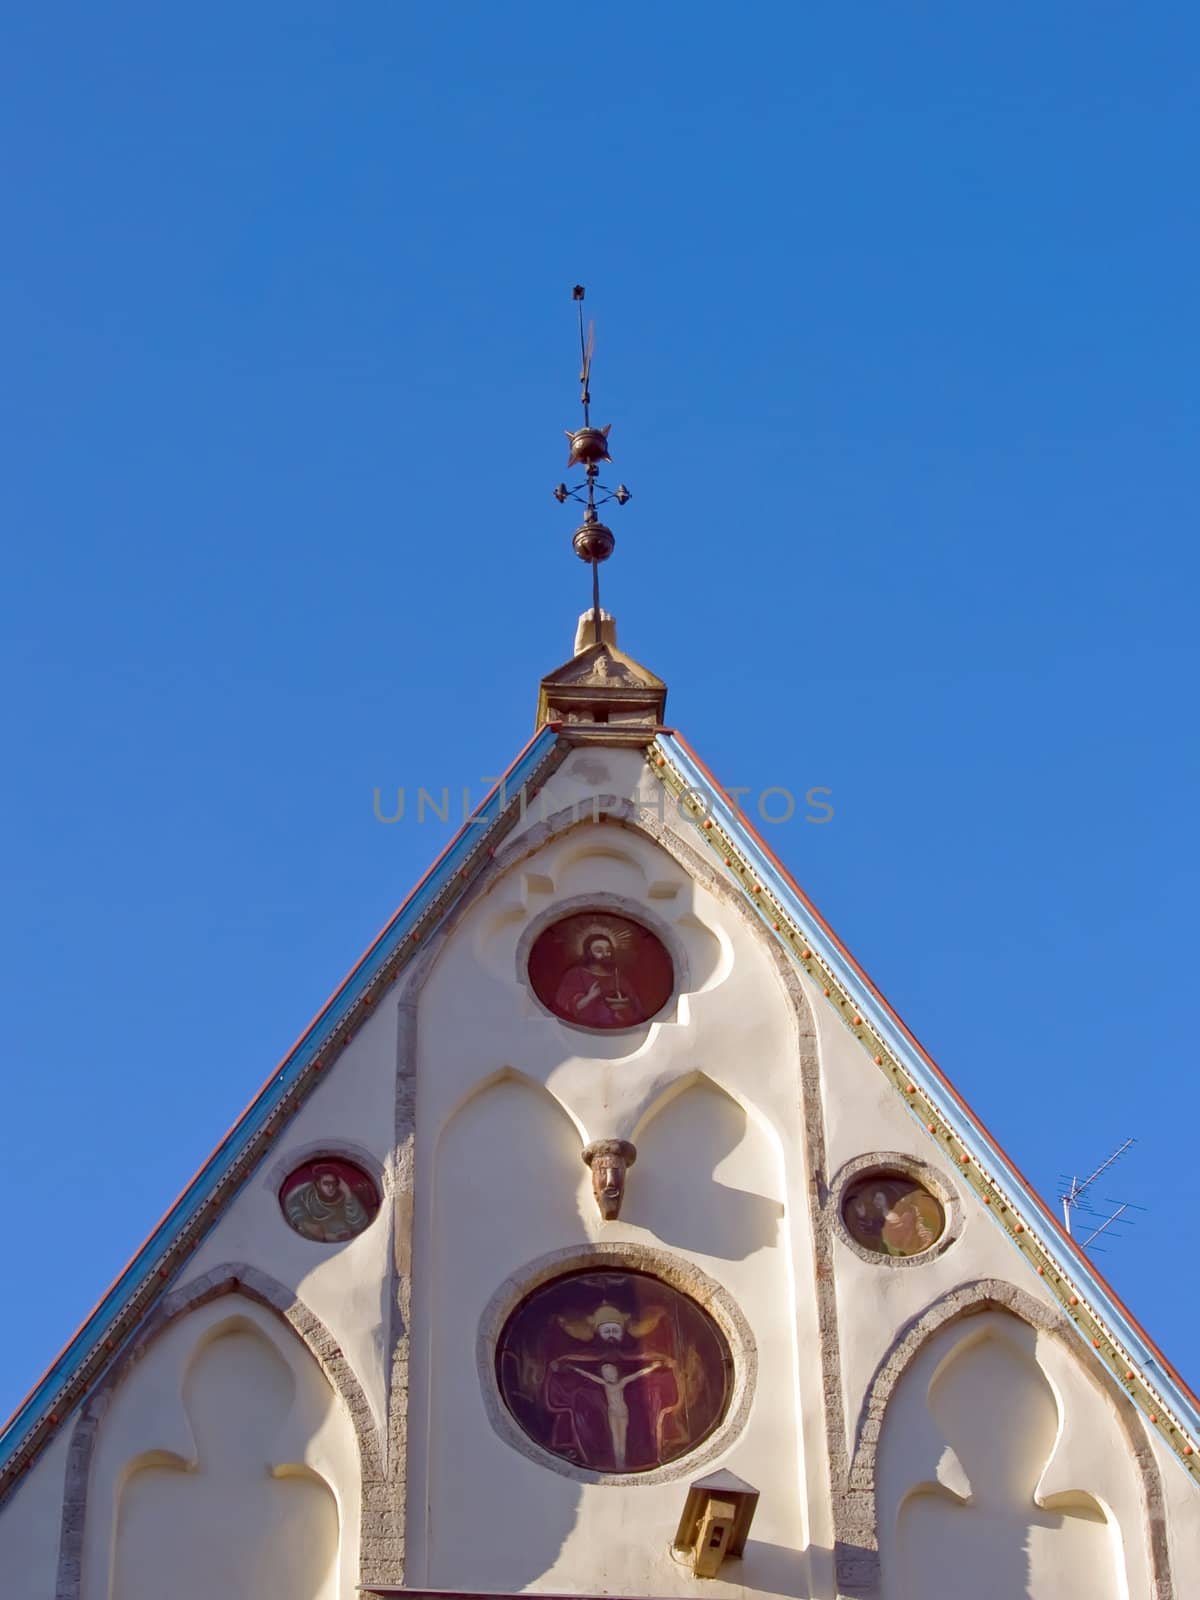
x=329, y=1199
x=615, y=1371
x=892, y=1214
x=600, y=970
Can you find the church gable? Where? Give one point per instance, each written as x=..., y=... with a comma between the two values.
x=607, y=1042
x=606, y=1233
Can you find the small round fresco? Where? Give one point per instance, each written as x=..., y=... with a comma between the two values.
x=892, y=1215
x=328, y=1200
x=614, y=1371
x=596, y=969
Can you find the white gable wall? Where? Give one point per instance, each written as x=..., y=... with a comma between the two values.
x=31, y=1527
x=506, y=1096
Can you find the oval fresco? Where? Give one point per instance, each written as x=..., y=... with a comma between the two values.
x=615, y=1371
x=892, y=1214
x=597, y=969
x=328, y=1199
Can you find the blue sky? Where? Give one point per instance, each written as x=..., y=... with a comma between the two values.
x=897, y=331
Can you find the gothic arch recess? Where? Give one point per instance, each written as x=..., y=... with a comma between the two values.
x=510, y=1076
x=858, y=1554
x=255, y=1285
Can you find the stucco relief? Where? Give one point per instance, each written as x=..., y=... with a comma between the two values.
x=991, y=1405
x=218, y=1394
x=237, y=1518
x=1029, y=1435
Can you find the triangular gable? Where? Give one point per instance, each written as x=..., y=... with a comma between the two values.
x=604, y=663
x=749, y=865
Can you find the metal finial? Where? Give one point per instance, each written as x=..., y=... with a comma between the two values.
x=593, y=541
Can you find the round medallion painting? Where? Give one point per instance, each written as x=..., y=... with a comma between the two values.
x=600, y=970
x=329, y=1199
x=614, y=1370
x=892, y=1214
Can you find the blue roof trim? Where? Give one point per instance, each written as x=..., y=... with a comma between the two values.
x=504, y=798
x=982, y=1150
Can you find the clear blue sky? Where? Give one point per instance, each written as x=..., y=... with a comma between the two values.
x=897, y=329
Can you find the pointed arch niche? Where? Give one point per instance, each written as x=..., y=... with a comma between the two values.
x=989, y=1449
x=710, y=1176
x=508, y=1182
x=218, y=1460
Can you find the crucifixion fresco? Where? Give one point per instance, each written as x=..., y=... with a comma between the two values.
x=615, y=1371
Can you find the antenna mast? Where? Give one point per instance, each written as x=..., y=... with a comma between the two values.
x=593, y=540
x=1073, y=1198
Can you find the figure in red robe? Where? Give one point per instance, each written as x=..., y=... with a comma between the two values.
x=594, y=992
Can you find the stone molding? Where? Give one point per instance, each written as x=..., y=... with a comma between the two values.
x=231, y=1278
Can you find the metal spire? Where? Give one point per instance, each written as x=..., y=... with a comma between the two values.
x=593, y=540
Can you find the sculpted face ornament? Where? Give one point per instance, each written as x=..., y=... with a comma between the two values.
x=609, y=1160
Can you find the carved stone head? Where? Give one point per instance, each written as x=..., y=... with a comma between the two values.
x=609, y=1160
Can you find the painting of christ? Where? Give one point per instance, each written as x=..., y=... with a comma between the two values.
x=616, y=1372
x=600, y=970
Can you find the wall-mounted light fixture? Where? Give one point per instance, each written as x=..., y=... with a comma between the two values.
x=716, y=1519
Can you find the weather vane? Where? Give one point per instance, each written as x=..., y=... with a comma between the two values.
x=593, y=540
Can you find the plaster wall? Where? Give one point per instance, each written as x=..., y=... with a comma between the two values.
x=30, y=1525
x=1182, y=1508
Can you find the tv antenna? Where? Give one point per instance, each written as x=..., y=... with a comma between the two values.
x=1076, y=1197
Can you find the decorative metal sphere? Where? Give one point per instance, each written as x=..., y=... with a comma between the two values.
x=593, y=541
x=589, y=446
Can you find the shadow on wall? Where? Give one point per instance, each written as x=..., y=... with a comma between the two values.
x=674, y=1191
x=234, y=1521
x=998, y=1420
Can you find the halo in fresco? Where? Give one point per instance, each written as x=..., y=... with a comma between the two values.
x=615, y=1371
x=600, y=970
x=892, y=1215
x=329, y=1200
